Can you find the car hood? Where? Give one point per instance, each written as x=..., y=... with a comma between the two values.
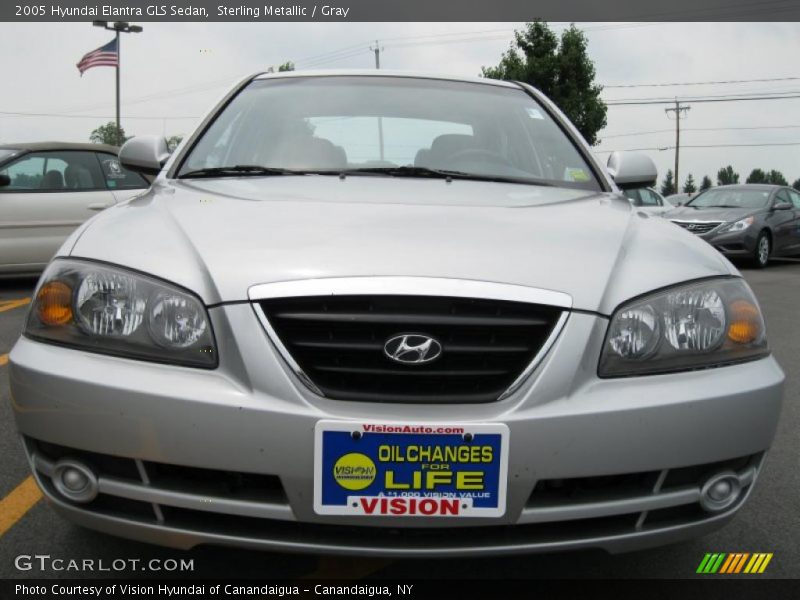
x=726, y=215
x=220, y=237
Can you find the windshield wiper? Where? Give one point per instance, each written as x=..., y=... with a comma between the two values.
x=406, y=171
x=239, y=171
x=716, y=206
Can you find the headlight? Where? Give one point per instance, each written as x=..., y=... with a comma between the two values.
x=113, y=311
x=739, y=225
x=693, y=326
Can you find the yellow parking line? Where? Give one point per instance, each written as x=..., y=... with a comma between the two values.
x=330, y=567
x=14, y=506
x=9, y=304
x=3, y=359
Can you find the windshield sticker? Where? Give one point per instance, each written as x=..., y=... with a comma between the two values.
x=113, y=169
x=575, y=174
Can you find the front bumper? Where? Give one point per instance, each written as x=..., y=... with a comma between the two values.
x=734, y=244
x=643, y=447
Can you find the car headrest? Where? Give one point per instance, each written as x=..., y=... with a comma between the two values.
x=52, y=180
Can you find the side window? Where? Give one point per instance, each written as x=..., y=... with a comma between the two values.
x=783, y=196
x=649, y=198
x=633, y=196
x=63, y=171
x=25, y=173
x=795, y=196
x=118, y=177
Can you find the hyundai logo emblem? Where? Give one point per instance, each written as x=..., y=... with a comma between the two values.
x=412, y=348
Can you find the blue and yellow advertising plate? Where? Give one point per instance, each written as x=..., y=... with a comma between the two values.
x=410, y=470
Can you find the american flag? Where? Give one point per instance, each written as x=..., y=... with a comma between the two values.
x=104, y=56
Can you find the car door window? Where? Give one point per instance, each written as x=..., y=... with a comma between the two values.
x=649, y=198
x=118, y=177
x=633, y=196
x=57, y=171
x=795, y=196
x=782, y=196
x=26, y=173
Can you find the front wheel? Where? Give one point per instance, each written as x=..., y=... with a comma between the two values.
x=763, y=250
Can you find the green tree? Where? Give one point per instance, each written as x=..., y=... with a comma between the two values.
x=561, y=69
x=173, y=141
x=796, y=184
x=108, y=134
x=727, y=176
x=706, y=183
x=668, y=185
x=287, y=66
x=689, y=187
x=756, y=176
x=776, y=178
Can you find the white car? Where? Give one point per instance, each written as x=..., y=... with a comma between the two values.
x=47, y=190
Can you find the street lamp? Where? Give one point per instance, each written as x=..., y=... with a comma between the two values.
x=118, y=27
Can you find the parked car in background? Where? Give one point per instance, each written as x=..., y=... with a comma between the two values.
x=754, y=221
x=680, y=199
x=48, y=189
x=648, y=200
x=449, y=335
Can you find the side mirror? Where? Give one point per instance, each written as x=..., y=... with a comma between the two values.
x=4, y=180
x=144, y=154
x=783, y=205
x=632, y=170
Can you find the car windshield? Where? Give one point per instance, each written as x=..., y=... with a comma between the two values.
x=393, y=126
x=731, y=198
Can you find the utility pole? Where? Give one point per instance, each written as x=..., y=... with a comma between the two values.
x=678, y=110
x=377, y=50
x=118, y=27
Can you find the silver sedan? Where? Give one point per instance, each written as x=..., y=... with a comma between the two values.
x=392, y=314
x=48, y=189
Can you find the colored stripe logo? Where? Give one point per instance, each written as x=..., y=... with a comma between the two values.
x=734, y=563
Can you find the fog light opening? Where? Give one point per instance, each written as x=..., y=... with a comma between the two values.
x=720, y=492
x=75, y=481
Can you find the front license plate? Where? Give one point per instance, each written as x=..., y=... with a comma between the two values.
x=408, y=470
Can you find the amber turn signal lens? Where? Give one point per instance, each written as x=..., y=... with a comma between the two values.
x=745, y=322
x=54, y=303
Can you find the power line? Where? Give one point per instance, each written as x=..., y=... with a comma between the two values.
x=636, y=133
x=663, y=148
x=719, y=82
x=698, y=100
x=69, y=116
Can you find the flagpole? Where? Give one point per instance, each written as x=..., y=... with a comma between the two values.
x=119, y=62
x=118, y=27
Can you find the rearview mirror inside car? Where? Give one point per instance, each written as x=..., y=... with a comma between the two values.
x=632, y=170
x=144, y=154
x=4, y=180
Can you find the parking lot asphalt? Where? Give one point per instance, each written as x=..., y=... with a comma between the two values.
x=769, y=522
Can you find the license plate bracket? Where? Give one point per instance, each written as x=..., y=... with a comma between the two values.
x=405, y=469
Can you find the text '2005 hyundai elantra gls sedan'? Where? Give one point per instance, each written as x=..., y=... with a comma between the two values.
x=378, y=313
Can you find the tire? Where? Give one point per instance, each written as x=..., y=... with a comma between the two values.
x=763, y=250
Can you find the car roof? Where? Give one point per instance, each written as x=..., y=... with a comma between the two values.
x=750, y=186
x=43, y=146
x=385, y=73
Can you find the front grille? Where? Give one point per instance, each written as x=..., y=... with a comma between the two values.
x=338, y=342
x=698, y=227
